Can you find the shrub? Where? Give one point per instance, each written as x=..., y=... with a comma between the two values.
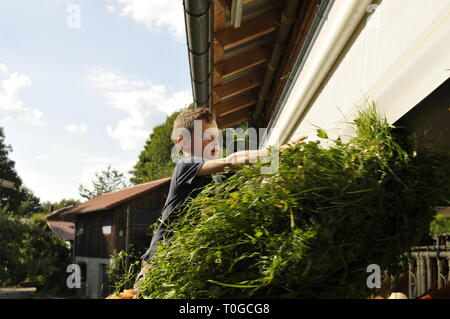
x=309, y=230
x=119, y=275
x=440, y=226
x=45, y=256
x=29, y=252
x=10, y=232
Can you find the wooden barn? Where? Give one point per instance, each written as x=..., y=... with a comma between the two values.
x=107, y=223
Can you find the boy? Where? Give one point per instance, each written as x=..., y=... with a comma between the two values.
x=196, y=135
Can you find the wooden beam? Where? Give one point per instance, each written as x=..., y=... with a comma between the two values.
x=240, y=85
x=217, y=74
x=233, y=118
x=220, y=14
x=250, y=30
x=245, y=61
x=215, y=98
x=235, y=104
x=127, y=237
x=218, y=51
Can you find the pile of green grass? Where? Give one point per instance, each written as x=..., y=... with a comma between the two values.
x=309, y=230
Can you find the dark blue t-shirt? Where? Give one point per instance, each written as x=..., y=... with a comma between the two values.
x=184, y=183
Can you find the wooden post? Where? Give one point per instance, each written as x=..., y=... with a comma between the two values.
x=127, y=237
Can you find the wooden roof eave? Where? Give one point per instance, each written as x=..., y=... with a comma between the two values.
x=234, y=79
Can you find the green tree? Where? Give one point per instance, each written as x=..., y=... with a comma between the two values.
x=10, y=231
x=44, y=256
x=109, y=180
x=29, y=251
x=46, y=206
x=20, y=200
x=440, y=225
x=30, y=203
x=9, y=197
x=155, y=160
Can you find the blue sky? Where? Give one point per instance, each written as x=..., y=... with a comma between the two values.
x=83, y=82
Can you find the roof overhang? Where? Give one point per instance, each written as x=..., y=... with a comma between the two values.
x=62, y=229
x=111, y=200
x=241, y=52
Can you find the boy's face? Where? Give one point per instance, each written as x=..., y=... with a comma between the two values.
x=205, y=144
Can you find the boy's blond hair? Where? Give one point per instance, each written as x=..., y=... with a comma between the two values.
x=185, y=120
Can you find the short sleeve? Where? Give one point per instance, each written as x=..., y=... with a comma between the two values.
x=188, y=168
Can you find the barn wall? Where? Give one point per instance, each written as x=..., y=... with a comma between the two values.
x=93, y=243
x=150, y=200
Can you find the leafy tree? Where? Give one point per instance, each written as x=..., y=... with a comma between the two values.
x=30, y=203
x=46, y=206
x=44, y=256
x=21, y=199
x=31, y=252
x=155, y=160
x=8, y=197
x=109, y=180
x=440, y=225
x=10, y=231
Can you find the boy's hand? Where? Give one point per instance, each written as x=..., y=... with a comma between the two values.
x=239, y=158
x=296, y=141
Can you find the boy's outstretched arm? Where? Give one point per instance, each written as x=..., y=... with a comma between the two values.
x=238, y=158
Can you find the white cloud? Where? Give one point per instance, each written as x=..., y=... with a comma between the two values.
x=147, y=105
x=111, y=80
x=3, y=69
x=83, y=165
x=101, y=164
x=76, y=128
x=11, y=107
x=110, y=8
x=155, y=15
x=42, y=157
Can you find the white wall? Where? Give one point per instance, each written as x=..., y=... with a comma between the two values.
x=93, y=275
x=400, y=56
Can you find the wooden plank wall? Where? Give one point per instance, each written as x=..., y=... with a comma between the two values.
x=93, y=243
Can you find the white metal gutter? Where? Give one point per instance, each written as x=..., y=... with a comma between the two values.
x=343, y=19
